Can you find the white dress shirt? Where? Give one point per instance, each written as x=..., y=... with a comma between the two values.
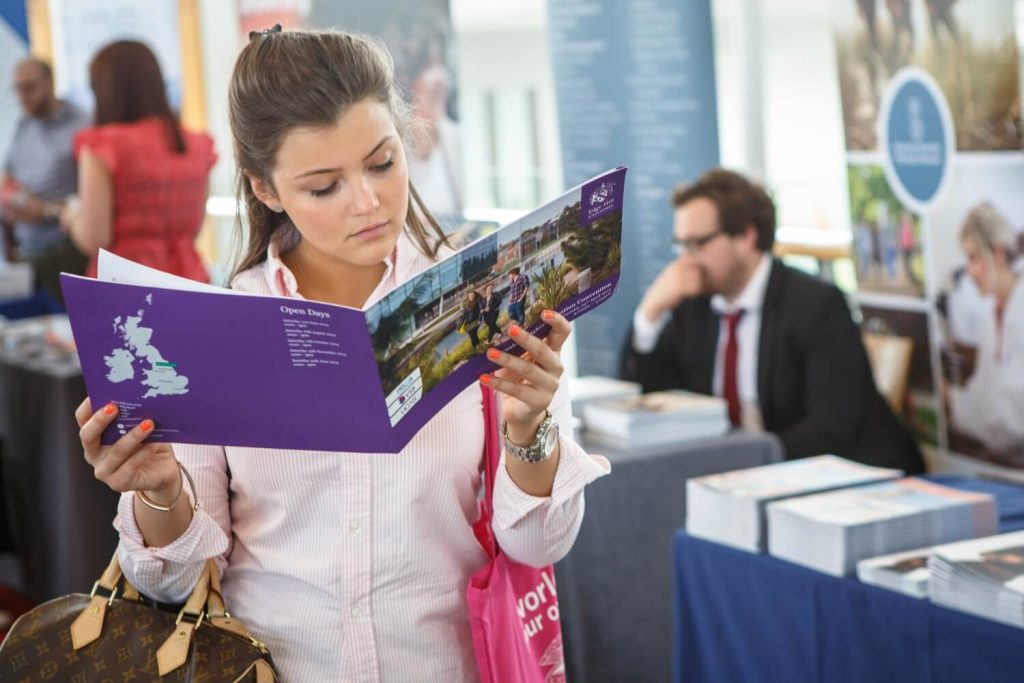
x=354, y=566
x=748, y=333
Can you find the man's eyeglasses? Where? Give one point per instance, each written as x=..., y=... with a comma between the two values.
x=694, y=244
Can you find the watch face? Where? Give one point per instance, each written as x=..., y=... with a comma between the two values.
x=551, y=438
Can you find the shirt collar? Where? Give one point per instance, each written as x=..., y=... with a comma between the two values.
x=752, y=296
x=282, y=281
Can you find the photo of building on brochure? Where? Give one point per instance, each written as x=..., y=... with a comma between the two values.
x=434, y=323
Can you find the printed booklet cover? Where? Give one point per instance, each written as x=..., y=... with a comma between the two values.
x=214, y=366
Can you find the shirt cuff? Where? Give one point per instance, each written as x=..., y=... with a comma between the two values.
x=576, y=469
x=202, y=538
x=646, y=333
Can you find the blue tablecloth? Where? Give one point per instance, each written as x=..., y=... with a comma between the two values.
x=744, y=617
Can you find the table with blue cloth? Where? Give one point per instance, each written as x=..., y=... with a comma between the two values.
x=746, y=617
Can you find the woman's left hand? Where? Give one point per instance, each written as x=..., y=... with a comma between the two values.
x=530, y=381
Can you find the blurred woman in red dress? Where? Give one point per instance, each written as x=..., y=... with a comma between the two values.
x=142, y=179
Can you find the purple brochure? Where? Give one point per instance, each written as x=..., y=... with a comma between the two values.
x=215, y=367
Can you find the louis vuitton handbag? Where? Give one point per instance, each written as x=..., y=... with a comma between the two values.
x=105, y=637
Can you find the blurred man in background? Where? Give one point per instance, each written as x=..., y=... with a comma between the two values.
x=781, y=347
x=39, y=175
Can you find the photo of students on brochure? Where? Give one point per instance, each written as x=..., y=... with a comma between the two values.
x=969, y=49
x=886, y=235
x=436, y=322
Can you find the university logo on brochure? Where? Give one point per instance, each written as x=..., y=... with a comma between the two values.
x=602, y=198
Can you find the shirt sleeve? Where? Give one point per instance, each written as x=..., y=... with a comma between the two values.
x=169, y=573
x=100, y=143
x=646, y=333
x=539, y=531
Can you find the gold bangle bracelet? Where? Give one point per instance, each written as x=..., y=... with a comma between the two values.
x=185, y=476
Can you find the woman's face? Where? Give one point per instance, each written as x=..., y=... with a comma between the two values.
x=344, y=186
x=979, y=267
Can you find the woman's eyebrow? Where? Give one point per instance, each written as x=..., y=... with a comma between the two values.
x=333, y=170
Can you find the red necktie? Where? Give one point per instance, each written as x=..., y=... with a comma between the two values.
x=730, y=381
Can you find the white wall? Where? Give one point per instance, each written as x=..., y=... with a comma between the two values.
x=804, y=149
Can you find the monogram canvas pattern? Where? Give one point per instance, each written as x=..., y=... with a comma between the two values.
x=38, y=648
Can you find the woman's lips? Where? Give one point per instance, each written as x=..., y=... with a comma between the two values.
x=372, y=232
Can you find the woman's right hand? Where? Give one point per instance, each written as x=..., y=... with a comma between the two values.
x=130, y=464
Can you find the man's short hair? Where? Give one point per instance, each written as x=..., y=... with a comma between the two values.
x=42, y=65
x=515, y=271
x=740, y=202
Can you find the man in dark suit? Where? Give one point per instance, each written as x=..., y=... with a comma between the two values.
x=727, y=319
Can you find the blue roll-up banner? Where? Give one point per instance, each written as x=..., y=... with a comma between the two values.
x=635, y=85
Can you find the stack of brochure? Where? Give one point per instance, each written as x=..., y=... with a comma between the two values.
x=905, y=572
x=656, y=418
x=831, y=532
x=730, y=507
x=594, y=388
x=984, y=577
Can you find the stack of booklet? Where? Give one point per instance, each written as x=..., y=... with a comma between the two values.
x=831, y=532
x=905, y=572
x=593, y=388
x=984, y=577
x=657, y=418
x=730, y=507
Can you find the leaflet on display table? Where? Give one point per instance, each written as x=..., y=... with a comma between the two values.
x=216, y=366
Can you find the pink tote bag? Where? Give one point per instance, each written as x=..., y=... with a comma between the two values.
x=513, y=608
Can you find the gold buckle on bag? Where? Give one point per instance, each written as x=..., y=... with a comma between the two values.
x=196, y=623
x=113, y=594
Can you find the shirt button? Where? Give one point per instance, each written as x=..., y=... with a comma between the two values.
x=354, y=527
x=354, y=611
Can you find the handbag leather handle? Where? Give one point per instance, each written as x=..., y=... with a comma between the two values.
x=88, y=625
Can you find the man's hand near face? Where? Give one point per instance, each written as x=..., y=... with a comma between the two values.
x=681, y=279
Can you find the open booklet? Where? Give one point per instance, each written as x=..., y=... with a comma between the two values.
x=215, y=366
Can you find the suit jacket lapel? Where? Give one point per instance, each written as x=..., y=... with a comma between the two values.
x=771, y=314
x=708, y=348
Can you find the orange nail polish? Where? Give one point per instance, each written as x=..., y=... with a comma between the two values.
x=146, y=426
x=514, y=331
x=109, y=409
x=548, y=315
x=492, y=354
x=486, y=379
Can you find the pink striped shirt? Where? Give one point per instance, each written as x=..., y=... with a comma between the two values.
x=353, y=566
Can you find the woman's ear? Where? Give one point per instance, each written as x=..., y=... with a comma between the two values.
x=264, y=192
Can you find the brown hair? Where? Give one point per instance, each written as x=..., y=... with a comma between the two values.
x=740, y=203
x=284, y=80
x=128, y=85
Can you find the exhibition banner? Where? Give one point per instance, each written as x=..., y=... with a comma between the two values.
x=931, y=101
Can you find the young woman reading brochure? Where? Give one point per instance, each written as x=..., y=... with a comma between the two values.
x=348, y=566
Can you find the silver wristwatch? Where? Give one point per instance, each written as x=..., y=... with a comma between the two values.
x=543, y=446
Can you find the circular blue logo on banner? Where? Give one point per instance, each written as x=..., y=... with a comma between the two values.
x=916, y=135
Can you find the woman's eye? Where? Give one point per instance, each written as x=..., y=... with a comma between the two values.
x=325, y=191
x=380, y=168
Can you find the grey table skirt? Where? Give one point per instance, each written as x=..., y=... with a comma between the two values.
x=614, y=587
x=59, y=515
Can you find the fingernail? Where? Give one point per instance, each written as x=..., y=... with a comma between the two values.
x=514, y=331
x=486, y=379
x=109, y=409
x=493, y=354
x=548, y=315
x=146, y=426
